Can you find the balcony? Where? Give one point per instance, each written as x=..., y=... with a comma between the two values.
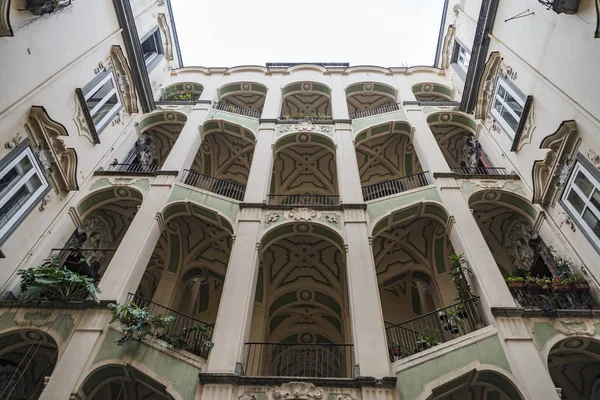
x=227, y=107
x=314, y=360
x=130, y=169
x=87, y=262
x=434, y=328
x=219, y=186
x=374, y=111
x=196, y=342
x=395, y=186
x=553, y=297
x=304, y=200
x=478, y=171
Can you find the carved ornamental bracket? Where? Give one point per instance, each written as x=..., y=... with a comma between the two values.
x=487, y=85
x=550, y=174
x=5, y=28
x=164, y=27
x=59, y=162
x=447, y=47
x=124, y=79
x=298, y=391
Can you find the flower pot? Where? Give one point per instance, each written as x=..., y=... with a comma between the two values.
x=515, y=285
x=580, y=286
x=533, y=286
x=566, y=6
x=561, y=287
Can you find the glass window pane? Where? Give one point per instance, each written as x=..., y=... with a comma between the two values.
x=8, y=180
x=576, y=201
x=9, y=209
x=592, y=221
x=596, y=199
x=105, y=109
x=584, y=183
x=514, y=105
x=498, y=107
x=510, y=120
x=101, y=93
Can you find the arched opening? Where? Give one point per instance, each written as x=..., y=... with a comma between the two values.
x=27, y=357
x=574, y=366
x=478, y=385
x=244, y=98
x=158, y=133
x=421, y=306
x=304, y=171
x=432, y=92
x=455, y=134
x=122, y=382
x=182, y=92
x=537, y=277
x=306, y=100
x=222, y=163
x=370, y=98
x=105, y=217
x=185, y=275
x=387, y=161
x=300, y=323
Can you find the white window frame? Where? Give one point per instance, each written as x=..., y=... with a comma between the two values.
x=24, y=208
x=116, y=108
x=505, y=126
x=578, y=216
x=463, y=56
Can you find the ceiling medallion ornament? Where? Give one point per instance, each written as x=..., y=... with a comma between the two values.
x=302, y=214
x=299, y=391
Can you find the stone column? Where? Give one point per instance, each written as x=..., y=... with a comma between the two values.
x=129, y=262
x=261, y=169
x=272, y=107
x=363, y=293
x=349, y=185
x=235, y=311
x=339, y=105
x=165, y=291
x=188, y=142
x=74, y=358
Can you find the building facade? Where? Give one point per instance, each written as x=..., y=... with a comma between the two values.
x=299, y=231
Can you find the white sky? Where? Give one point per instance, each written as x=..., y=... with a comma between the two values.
x=226, y=33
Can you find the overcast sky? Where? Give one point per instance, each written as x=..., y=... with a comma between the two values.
x=226, y=33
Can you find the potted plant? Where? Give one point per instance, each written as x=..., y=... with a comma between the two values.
x=52, y=281
x=515, y=282
x=532, y=283
x=138, y=322
x=458, y=269
x=425, y=342
x=578, y=282
x=451, y=318
x=396, y=351
x=560, y=285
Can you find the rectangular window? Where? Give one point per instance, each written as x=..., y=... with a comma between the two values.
x=22, y=184
x=461, y=57
x=507, y=107
x=582, y=200
x=152, y=49
x=102, y=100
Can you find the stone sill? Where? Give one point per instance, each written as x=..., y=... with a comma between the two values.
x=72, y=305
x=239, y=380
x=265, y=206
x=520, y=312
x=139, y=173
x=475, y=176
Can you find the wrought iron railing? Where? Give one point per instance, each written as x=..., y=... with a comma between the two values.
x=479, y=170
x=228, y=107
x=316, y=119
x=134, y=167
x=307, y=200
x=219, y=186
x=375, y=111
x=197, y=341
x=429, y=330
x=395, y=186
x=318, y=360
x=562, y=297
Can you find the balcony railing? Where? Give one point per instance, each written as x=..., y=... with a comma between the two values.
x=319, y=360
x=219, y=186
x=562, y=297
x=479, y=170
x=198, y=342
x=395, y=186
x=147, y=168
x=316, y=119
x=306, y=200
x=374, y=111
x=429, y=330
x=248, y=112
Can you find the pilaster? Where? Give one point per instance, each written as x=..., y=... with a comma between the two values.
x=260, y=171
x=347, y=166
x=188, y=142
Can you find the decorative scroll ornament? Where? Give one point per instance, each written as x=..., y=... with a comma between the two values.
x=271, y=218
x=164, y=27
x=124, y=79
x=528, y=129
x=81, y=123
x=299, y=391
x=487, y=85
x=302, y=214
x=247, y=396
x=332, y=218
x=520, y=252
x=59, y=161
x=574, y=327
x=448, y=47
x=594, y=158
x=550, y=174
x=44, y=202
x=14, y=142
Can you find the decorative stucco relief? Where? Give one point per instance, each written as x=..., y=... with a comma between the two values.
x=574, y=327
x=448, y=46
x=124, y=79
x=81, y=123
x=304, y=126
x=528, y=129
x=5, y=28
x=302, y=214
x=487, y=85
x=470, y=187
x=164, y=27
x=298, y=391
x=272, y=217
x=14, y=142
x=247, y=396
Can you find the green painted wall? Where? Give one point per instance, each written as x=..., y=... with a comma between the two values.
x=361, y=124
x=488, y=351
x=543, y=332
x=246, y=122
x=379, y=208
x=228, y=208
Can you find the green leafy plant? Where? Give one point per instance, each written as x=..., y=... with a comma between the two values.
x=514, y=279
x=458, y=269
x=138, y=322
x=173, y=94
x=425, y=342
x=180, y=340
x=53, y=282
x=549, y=306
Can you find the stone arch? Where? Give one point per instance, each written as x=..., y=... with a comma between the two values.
x=105, y=196
x=27, y=356
x=182, y=91
x=292, y=228
x=304, y=163
x=226, y=151
x=574, y=366
x=406, y=213
x=115, y=376
x=158, y=133
x=190, y=208
x=305, y=99
x=478, y=382
x=431, y=91
x=250, y=95
x=369, y=95
x=386, y=152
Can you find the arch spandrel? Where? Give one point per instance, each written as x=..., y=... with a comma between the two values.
x=105, y=196
x=190, y=208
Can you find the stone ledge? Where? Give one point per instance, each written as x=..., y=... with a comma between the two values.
x=475, y=176
x=72, y=305
x=239, y=380
x=265, y=206
x=520, y=312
